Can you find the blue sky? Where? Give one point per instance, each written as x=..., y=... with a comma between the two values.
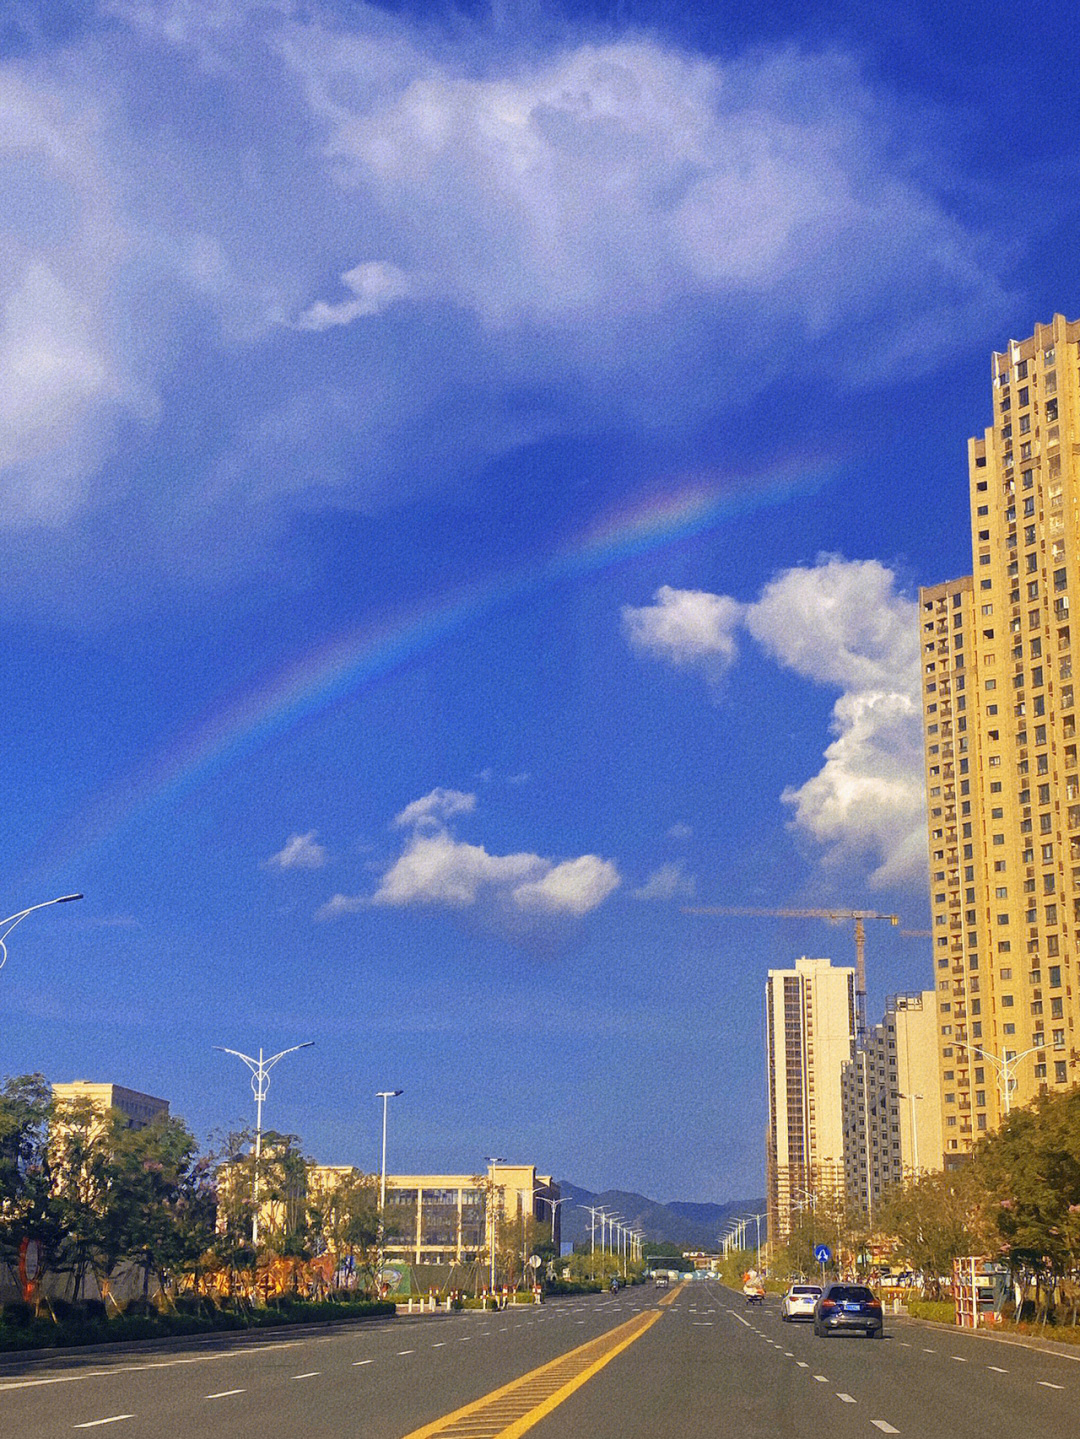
x=466, y=477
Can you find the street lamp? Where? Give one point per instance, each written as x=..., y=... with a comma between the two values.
x=914, y=1133
x=385, y=1095
x=554, y=1206
x=492, y=1160
x=1006, y=1068
x=260, y=1083
x=7, y=925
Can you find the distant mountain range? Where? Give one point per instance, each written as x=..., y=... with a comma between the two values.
x=695, y=1226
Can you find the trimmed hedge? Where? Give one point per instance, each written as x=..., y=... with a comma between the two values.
x=943, y=1310
x=23, y=1331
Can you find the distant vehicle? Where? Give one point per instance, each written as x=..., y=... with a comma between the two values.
x=848, y=1306
x=754, y=1290
x=661, y=1281
x=799, y=1301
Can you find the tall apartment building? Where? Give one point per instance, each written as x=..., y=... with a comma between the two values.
x=810, y=1036
x=892, y=1102
x=1003, y=787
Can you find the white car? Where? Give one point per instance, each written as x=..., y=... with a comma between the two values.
x=799, y=1301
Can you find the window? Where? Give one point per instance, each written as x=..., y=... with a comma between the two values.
x=1007, y=1001
x=1060, y=1072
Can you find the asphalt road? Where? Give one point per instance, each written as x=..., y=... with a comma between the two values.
x=705, y=1364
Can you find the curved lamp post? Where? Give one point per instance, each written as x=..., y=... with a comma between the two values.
x=7, y=925
x=260, y=1083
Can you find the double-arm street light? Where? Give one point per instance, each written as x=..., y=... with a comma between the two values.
x=385, y=1095
x=554, y=1206
x=260, y=1083
x=7, y=925
x=492, y=1160
x=1005, y=1067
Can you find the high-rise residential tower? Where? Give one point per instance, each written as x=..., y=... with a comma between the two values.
x=1003, y=787
x=810, y=1036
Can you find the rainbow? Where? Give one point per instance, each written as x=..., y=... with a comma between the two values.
x=332, y=671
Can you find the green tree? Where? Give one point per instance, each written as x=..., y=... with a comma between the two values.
x=934, y=1221
x=28, y=1206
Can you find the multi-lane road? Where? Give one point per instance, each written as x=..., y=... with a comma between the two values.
x=626, y=1367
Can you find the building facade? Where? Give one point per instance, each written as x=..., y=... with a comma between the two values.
x=139, y=1109
x=810, y=1036
x=447, y=1219
x=892, y=1103
x=1003, y=786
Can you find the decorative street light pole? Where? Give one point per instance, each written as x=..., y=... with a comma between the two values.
x=385, y=1095
x=7, y=925
x=492, y=1160
x=1006, y=1068
x=260, y=1083
x=554, y=1206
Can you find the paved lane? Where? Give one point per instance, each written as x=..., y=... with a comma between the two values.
x=706, y=1364
x=377, y=1380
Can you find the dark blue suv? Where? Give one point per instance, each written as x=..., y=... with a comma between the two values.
x=848, y=1306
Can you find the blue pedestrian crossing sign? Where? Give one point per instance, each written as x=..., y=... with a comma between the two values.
x=822, y=1253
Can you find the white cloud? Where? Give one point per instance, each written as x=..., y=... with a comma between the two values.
x=590, y=221
x=667, y=882
x=574, y=887
x=434, y=809
x=508, y=892
x=339, y=904
x=690, y=629
x=437, y=869
x=679, y=832
x=302, y=851
x=840, y=623
x=374, y=285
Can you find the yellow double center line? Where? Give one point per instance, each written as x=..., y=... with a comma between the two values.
x=512, y=1410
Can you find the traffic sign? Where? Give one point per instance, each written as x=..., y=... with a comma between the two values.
x=822, y=1253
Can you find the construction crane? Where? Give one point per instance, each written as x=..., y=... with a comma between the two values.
x=834, y=916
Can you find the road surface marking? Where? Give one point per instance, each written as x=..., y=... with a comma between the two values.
x=513, y=1409
x=112, y=1419
x=847, y=1398
x=929, y=1351
x=441, y=1344
x=225, y=1393
x=702, y=1324
x=802, y=1364
x=788, y=1354
x=884, y=1426
x=821, y=1378
x=357, y=1362
x=1045, y=1383
x=405, y=1351
x=311, y=1374
x=996, y=1369
x=139, y=1368
x=959, y=1358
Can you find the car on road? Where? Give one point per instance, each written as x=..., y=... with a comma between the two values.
x=799, y=1301
x=661, y=1281
x=843, y=1307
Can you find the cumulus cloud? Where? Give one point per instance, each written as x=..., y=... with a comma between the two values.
x=508, y=892
x=434, y=809
x=690, y=629
x=574, y=887
x=844, y=624
x=667, y=882
x=302, y=851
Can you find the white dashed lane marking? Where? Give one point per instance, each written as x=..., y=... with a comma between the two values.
x=996, y=1370
x=884, y=1426
x=112, y=1419
x=226, y=1393
x=311, y=1374
x=357, y=1362
x=847, y=1398
x=1045, y=1384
